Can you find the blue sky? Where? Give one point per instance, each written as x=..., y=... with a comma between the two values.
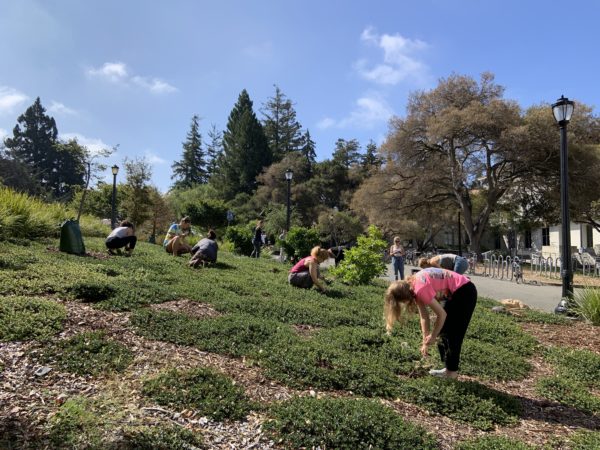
x=134, y=72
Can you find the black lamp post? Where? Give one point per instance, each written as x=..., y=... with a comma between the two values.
x=289, y=174
x=113, y=215
x=562, y=110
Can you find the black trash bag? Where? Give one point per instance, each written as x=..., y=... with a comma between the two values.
x=71, y=240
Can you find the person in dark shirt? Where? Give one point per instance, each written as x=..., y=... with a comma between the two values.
x=205, y=251
x=257, y=240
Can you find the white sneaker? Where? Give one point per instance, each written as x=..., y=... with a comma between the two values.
x=438, y=372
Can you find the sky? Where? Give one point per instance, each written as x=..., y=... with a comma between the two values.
x=133, y=73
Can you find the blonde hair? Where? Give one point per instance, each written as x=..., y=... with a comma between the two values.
x=320, y=254
x=424, y=263
x=397, y=239
x=399, y=299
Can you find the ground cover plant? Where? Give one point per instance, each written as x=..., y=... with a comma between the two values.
x=274, y=341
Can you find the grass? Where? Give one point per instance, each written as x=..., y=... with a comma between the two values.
x=493, y=443
x=76, y=425
x=588, y=304
x=585, y=440
x=89, y=353
x=582, y=366
x=26, y=318
x=210, y=393
x=162, y=437
x=344, y=423
x=569, y=392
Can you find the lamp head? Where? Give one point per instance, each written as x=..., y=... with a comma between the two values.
x=289, y=174
x=563, y=110
x=115, y=169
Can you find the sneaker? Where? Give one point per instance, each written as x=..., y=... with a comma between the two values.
x=438, y=372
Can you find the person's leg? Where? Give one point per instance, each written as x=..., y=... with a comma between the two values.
x=401, y=268
x=301, y=279
x=460, y=310
x=396, y=267
x=130, y=242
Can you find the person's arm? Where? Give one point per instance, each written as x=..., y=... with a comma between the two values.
x=312, y=269
x=425, y=321
x=439, y=323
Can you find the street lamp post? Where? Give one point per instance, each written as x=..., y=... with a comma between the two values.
x=289, y=174
x=113, y=214
x=562, y=110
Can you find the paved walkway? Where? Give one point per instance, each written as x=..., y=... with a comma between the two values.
x=540, y=297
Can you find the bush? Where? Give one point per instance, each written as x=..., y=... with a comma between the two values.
x=344, y=423
x=469, y=402
x=588, y=304
x=569, y=392
x=493, y=362
x=89, y=354
x=241, y=238
x=299, y=241
x=161, y=437
x=365, y=261
x=24, y=318
x=206, y=391
x=493, y=443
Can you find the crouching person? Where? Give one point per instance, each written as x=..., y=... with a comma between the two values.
x=121, y=237
x=205, y=251
x=305, y=273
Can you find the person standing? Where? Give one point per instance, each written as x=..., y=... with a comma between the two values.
x=257, y=240
x=397, y=253
x=122, y=236
x=451, y=296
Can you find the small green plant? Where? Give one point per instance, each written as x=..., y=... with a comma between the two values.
x=76, y=425
x=469, y=402
x=90, y=354
x=161, y=437
x=24, y=318
x=570, y=392
x=493, y=443
x=344, y=423
x=587, y=302
x=492, y=361
x=585, y=440
x=241, y=238
x=299, y=241
x=580, y=365
x=535, y=316
x=365, y=261
x=91, y=292
x=209, y=392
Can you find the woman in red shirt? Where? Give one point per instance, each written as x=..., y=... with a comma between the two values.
x=305, y=273
x=451, y=296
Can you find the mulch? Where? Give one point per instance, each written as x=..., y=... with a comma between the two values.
x=28, y=401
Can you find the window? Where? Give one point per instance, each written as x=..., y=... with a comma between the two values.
x=527, y=238
x=545, y=236
x=589, y=236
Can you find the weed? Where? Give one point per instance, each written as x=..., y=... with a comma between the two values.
x=89, y=354
x=208, y=392
x=344, y=423
x=25, y=318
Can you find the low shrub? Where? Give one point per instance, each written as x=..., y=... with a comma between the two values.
x=241, y=239
x=493, y=443
x=162, y=437
x=580, y=365
x=469, y=402
x=569, y=392
x=25, y=318
x=585, y=440
x=588, y=304
x=89, y=353
x=299, y=241
x=535, y=316
x=365, y=261
x=344, y=423
x=91, y=292
x=76, y=425
x=210, y=393
x=492, y=362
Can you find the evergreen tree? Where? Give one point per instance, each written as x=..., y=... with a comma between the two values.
x=346, y=153
x=214, y=150
x=191, y=169
x=308, y=151
x=245, y=150
x=280, y=125
x=137, y=201
x=56, y=165
x=371, y=159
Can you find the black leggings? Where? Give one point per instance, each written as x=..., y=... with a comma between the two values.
x=459, y=309
x=119, y=242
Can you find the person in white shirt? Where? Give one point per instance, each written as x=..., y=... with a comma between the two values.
x=122, y=236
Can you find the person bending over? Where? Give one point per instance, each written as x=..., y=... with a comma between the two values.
x=451, y=296
x=447, y=261
x=305, y=272
x=122, y=236
x=205, y=251
x=174, y=242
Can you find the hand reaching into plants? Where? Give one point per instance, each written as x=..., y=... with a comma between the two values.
x=426, y=344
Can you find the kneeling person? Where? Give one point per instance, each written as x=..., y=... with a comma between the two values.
x=205, y=251
x=305, y=273
x=122, y=236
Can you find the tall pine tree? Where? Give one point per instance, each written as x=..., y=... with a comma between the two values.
x=214, y=150
x=191, y=169
x=245, y=150
x=280, y=124
x=308, y=151
x=371, y=159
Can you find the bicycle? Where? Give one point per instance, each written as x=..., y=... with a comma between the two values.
x=517, y=270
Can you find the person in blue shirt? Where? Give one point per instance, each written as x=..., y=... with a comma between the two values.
x=174, y=242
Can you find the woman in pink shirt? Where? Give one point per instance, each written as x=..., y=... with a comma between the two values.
x=305, y=273
x=451, y=296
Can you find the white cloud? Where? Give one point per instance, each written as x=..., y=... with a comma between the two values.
x=3, y=135
x=60, y=108
x=10, y=99
x=369, y=110
x=94, y=145
x=154, y=159
x=401, y=59
x=117, y=72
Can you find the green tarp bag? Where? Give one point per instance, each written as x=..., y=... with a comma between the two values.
x=70, y=238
